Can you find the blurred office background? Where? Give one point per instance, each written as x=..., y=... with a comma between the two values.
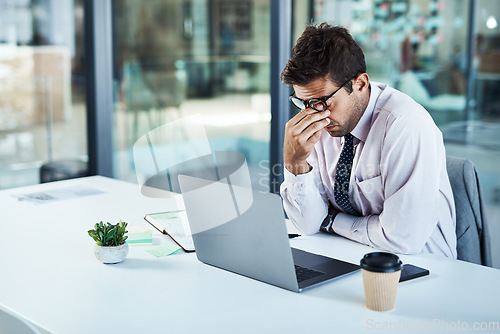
x=172, y=58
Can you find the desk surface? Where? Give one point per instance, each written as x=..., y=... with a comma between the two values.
x=51, y=277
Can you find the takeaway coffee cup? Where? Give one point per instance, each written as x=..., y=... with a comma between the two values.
x=381, y=272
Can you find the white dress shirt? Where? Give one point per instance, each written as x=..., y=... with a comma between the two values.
x=399, y=183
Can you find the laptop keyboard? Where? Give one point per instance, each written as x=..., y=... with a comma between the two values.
x=306, y=273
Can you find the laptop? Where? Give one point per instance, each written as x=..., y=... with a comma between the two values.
x=244, y=231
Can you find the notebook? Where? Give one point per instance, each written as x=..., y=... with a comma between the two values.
x=244, y=231
x=175, y=225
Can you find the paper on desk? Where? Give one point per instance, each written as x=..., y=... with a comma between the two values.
x=57, y=194
x=164, y=249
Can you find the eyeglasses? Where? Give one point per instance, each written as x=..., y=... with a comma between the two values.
x=317, y=103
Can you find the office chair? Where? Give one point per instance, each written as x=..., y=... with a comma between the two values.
x=138, y=96
x=63, y=170
x=411, y=85
x=150, y=87
x=473, y=243
x=12, y=323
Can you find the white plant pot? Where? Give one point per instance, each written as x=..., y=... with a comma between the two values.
x=111, y=254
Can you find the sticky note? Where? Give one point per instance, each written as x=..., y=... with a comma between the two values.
x=137, y=229
x=145, y=238
x=164, y=249
x=138, y=235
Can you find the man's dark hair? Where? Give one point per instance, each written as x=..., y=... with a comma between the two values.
x=324, y=51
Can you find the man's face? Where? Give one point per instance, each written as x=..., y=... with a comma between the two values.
x=345, y=109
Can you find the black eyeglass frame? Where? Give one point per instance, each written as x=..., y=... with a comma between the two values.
x=322, y=99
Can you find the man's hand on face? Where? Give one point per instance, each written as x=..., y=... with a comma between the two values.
x=301, y=133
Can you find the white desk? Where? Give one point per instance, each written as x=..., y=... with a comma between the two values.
x=50, y=276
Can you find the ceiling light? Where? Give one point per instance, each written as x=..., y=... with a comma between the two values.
x=491, y=22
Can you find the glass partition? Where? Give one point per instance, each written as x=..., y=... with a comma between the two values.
x=42, y=95
x=180, y=58
x=445, y=54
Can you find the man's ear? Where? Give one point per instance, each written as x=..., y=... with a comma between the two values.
x=361, y=83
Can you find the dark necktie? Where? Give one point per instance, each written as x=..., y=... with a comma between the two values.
x=341, y=187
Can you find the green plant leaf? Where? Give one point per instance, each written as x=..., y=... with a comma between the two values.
x=93, y=235
x=107, y=234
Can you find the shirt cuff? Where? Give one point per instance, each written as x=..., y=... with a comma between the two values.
x=295, y=184
x=343, y=224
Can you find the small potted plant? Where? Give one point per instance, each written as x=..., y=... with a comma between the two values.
x=110, y=242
